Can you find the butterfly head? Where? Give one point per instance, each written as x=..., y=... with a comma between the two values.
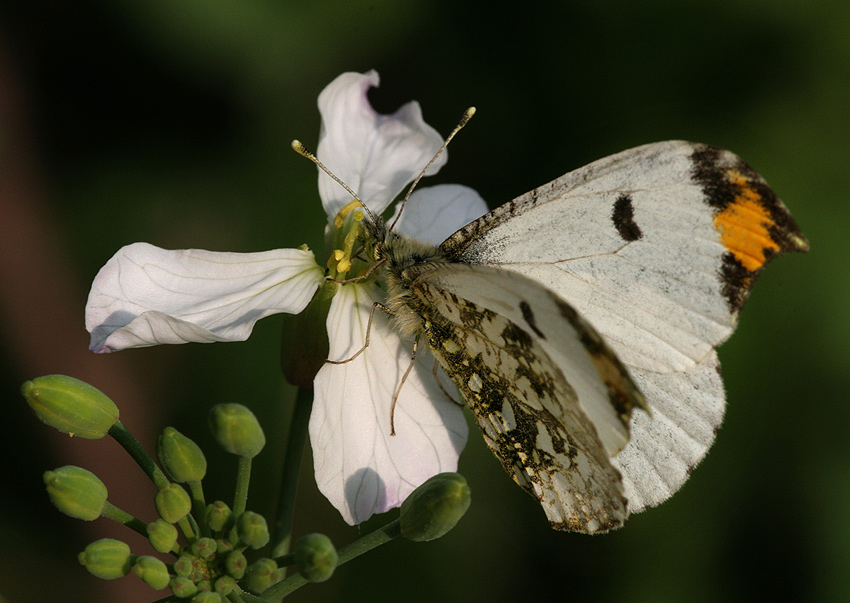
x=398, y=250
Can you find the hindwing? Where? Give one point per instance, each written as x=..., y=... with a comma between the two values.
x=551, y=399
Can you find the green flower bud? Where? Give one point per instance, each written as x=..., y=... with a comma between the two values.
x=260, y=575
x=434, y=507
x=71, y=406
x=219, y=516
x=204, y=585
x=207, y=597
x=152, y=571
x=222, y=546
x=182, y=588
x=315, y=557
x=184, y=566
x=235, y=564
x=106, y=558
x=304, y=338
x=182, y=459
x=237, y=430
x=252, y=530
x=172, y=503
x=204, y=547
x=224, y=585
x=76, y=492
x=163, y=535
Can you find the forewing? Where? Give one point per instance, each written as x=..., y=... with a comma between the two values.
x=551, y=399
x=658, y=247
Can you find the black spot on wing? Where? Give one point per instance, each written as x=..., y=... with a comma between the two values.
x=623, y=217
x=516, y=338
x=591, y=340
x=528, y=315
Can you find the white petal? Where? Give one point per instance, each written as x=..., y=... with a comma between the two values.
x=145, y=295
x=360, y=467
x=434, y=213
x=375, y=155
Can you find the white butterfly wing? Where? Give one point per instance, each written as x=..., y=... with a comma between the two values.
x=657, y=247
x=687, y=408
x=551, y=398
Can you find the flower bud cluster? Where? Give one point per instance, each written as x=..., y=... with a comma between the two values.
x=212, y=563
x=210, y=568
x=207, y=568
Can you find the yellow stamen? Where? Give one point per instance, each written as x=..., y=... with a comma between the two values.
x=336, y=256
x=351, y=235
x=340, y=217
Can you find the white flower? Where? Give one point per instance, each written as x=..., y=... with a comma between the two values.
x=147, y=296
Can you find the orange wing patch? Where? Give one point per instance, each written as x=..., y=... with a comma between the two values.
x=744, y=225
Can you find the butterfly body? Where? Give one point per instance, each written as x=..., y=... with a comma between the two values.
x=400, y=253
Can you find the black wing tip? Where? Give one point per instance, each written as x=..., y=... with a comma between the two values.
x=752, y=223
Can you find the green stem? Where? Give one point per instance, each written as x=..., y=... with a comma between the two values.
x=249, y=598
x=369, y=541
x=186, y=528
x=123, y=436
x=291, y=468
x=347, y=553
x=243, y=478
x=199, y=506
x=112, y=512
x=196, y=529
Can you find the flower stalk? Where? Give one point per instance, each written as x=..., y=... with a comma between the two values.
x=144, y=460
x=291, y=470
x=112, y=512
x=243, y=480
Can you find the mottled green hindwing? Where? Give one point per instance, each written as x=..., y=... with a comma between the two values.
x=528, y=412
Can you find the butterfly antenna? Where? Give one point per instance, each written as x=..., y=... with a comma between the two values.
x=302, y=150
x=467, y=115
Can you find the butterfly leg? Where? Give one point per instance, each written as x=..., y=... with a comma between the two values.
x=368, y=334
x=440, y=385
x=403, y=379
x=361, y=277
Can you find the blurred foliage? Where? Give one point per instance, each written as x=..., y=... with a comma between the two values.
x=170, y=122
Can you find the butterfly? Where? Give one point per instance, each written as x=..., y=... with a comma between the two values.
x=580, y=320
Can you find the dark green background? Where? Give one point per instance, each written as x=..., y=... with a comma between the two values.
x=170, y=122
